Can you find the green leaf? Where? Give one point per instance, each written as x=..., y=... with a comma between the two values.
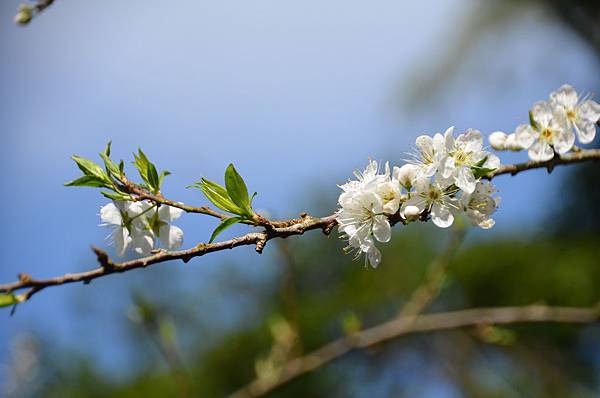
x=107, y=150
x=252, y=198
x=88, y=181
x=111, y=167
x=153, y=181
x=116, y=195
x=481, y=162
x=218, y=196
x=162, y=176
x=236, y=188
x=223, y=225
x=89, y=167
x=8, y=299
x=480, y=172
x=218, y=189
x=532, y=121
x=141, y=163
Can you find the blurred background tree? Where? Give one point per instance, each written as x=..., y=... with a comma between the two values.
x=210, y=343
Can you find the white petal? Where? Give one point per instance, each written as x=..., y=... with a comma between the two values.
x=525, y=135
x=590, y=110
x=374, y=256
x=542, y=113
x=424, y=143
x=473, y=140
x=441, y=216
x=169, y=213
x=142, y=241
x=439, y=142
x=171, y=236
x=564, y=141
x=565, y=96
x=391, y=207
x=465, y=179
x=421, y=185
x=110, y=214
x=381, y=229
x=449, y=139
x=586, y=131
x=121, y=240
x=448, y=167
x=134, y=209
x=492, y=162
x=541, y=151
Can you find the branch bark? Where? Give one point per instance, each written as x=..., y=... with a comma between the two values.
x=275, y=229
x=409, y=324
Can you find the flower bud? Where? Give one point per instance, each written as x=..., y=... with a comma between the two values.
x=511, y=143
x=498, y=140
x=406, y=175
x=24, y=15
x=411, y=213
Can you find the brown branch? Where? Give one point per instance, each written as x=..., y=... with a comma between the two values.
x=255, y=238
x=275, y=229
x=142, y=194
x=568, y=158
x=407, y=325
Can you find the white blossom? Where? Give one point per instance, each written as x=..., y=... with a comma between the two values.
x=159, y=222
x=431, y=152
x=361, y=218
x=550, y=134
x=128, y=223
x=363, y=206
x=433, y=197
x=479, y=205
x=581, y=114
x=463, y=154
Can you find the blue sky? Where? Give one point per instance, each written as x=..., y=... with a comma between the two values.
x=296, y=95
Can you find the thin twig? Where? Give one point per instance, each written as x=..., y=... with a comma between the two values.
x=406, y=325
x=279, y=229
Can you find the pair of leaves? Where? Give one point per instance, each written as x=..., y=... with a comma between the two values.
x=233, y=198
x=111, y=177
x=148, y=172
x=97, y=177
x=479, y=171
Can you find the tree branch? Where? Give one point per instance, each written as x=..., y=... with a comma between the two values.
x=406, y=325
x=274, y=229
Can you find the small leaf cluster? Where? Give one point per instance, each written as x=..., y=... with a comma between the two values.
x=479, y=171
x=112, y=176
x=232, y=198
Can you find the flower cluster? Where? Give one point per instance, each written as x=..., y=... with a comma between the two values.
x=140, y=226
x=553, y=126
x=442, y=180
